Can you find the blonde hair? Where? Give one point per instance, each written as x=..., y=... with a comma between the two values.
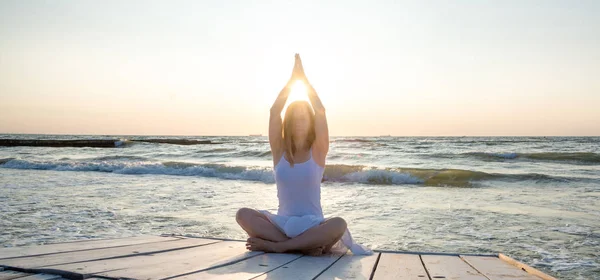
x=288, y=125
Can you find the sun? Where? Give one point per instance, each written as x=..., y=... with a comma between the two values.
x=298, y=92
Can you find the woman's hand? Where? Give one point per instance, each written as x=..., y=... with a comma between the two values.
x=298, y=71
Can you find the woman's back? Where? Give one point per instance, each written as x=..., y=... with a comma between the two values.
x=299, y=223
x=299, y=187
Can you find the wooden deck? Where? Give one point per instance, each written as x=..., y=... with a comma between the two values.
x=176, y=257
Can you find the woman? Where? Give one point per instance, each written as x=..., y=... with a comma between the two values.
x=299, y=162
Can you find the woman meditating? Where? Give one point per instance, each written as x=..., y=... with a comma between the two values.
x=299, y=145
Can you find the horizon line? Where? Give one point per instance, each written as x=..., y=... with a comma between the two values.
x=261, y=135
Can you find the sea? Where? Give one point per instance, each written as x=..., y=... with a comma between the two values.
x=535, y=199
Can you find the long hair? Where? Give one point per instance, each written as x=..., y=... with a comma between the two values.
x=288, y=129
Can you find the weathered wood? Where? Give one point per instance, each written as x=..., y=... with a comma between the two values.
x=306, y=267
x=450, y=267
x=190, y=260
x=167, y=264
x=156, y=257
x=97, y=143
x=432, y=253
x=245, y=269
x=35, y=250
x=351, y=267
x=496, y=269
x=400, y=266
x=105, y=253
x=41, y=277
x=9, y=274
x=525, y=267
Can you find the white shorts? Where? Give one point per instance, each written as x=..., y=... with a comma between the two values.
x=293, y=226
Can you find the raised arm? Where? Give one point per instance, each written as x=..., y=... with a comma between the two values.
x=275, y=121
x=321, y=130
x=321, y=144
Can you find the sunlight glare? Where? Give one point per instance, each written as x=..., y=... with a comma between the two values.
x=298, y=92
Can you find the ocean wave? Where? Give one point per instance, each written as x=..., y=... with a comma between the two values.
x=146, y=167
x=5, y=160
x=215, y=150
x=488, y=156
x=120, y=157
x=375, y=177
x=359, y=140
x=333, y=173
x=175, y=141
x=260, y=154
x=254, y=142
x=576, y=157
x=237, y=154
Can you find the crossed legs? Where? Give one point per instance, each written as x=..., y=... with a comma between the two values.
x=264, y=236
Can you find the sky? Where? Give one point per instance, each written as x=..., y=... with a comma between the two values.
x=400, y=68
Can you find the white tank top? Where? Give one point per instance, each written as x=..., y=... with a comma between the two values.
x=299, y=187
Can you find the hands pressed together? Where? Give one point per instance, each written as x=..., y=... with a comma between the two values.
x=298, y=73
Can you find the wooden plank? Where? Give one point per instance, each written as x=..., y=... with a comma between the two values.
x=496, y=269
x=350, y=266
x=400, y=266
x=245, y=269
x=525, y=267
x=166, y=264
x=432, y=253
x=111, y=238
x=306, y=267
x=97, y=254
x=41, y=277
x=190, y=260
x=10, y=274
x=23, y=251
x=450, y=267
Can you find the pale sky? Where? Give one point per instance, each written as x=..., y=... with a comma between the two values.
x=403, y=68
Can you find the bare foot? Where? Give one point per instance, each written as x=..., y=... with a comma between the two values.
x=327, y=249
x=257, y=244
x=314, y=252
